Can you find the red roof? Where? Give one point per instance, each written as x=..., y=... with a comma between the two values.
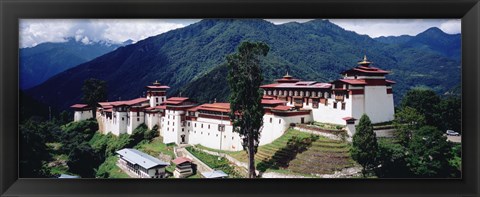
x=194, y=108
x=180, y=160
x=272, y=101
x=161, y=107
x=219, y=107
x=79, y=106
x=108, y=110
x=282, y=108
x=390, y=82
x=300, y=84
x=367, y=69
x=118, y=103
x=354, y=81
x=158, y=87
x=348, y=118
x=177, y=99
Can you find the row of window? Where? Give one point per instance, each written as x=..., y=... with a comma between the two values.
x=299, y=93
x=279, y=120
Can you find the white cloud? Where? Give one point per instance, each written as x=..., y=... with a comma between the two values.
x=451, y=26
x=36, y=31
x=397, y=27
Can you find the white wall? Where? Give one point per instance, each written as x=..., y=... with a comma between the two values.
x=378, y=104
x=172, y=127
x=273, y=130
x=211, y=137
x=328, y=114
x=82, y=115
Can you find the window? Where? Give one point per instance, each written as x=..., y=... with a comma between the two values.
x=188, y=123
x=202, y=126
x=122, y=118
x=167, y=129
x=335, y=105
x=195, y=125
x=173, y=123
x=208, y=126
x=279, y=121
x=271, y=120
x=201, y=133
x=138, y=113
x=156, y=100
x=183, y=129
x=168, y=122
x=232, y=138
x=138, y=119
x=343, y=106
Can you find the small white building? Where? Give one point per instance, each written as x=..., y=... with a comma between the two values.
x=81, y=112
x=141, y=164
x=183, y=167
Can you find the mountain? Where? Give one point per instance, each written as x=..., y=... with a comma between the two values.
x=191, y=60
x=39, y=63
x=433, y=39
x=394, y=39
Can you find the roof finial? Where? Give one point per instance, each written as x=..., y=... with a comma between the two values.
x=156, y=83
x=287, y=75
x=365, y=61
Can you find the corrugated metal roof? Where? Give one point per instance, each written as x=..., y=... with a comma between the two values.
x=215, y=174
x=140, y=158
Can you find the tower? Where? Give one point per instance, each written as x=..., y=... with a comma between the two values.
x=156, y=93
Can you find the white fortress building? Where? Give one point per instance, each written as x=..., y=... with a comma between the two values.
x=362, y=90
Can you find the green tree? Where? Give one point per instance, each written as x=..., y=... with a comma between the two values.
x=425, y=102
x=364, y=144
x=94, y=91
x=244, y=79
x=33, y=151
x=450, y=114
x=64, y=117
x=391, y=160
x=83, y=160
x=406, y=121
x=429, y=153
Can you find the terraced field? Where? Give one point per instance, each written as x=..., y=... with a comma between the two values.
x=300, y=153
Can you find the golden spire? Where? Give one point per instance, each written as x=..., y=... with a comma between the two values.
x=365, y=62
x=156, y=83
x=287, y=75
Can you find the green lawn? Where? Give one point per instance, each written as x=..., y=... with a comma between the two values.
x=155, y=147
x=109, y=169
x=213, y=162
x=58, y=165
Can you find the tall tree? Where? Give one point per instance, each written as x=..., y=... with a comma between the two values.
x=424, y=101
x=429, y=153
x=94, y=91
x=450, y=114
x=244, y=79
x=407, y=120
x=365, y=146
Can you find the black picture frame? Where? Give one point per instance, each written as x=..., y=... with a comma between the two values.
x=11, y=11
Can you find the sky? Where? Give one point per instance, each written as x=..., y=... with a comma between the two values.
x=36, y=31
